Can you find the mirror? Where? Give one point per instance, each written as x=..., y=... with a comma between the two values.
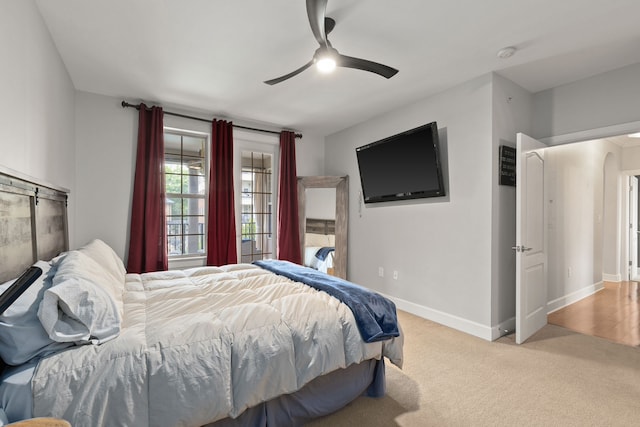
x=323, y=236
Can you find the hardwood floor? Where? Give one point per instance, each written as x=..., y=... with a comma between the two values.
x=612, y=313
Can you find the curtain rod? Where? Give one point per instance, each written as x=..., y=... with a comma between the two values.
x=137, y=107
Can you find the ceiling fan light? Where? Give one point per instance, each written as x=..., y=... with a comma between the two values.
x=326, y=64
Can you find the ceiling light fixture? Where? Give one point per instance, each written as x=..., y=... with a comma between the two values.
x=634, y=135
x=326, y=64
x=325, y=59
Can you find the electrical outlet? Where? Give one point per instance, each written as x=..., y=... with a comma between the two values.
x=380, y=271
x=395, y=274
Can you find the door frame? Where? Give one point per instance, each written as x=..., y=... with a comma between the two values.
x=625, y=220
x=632, y=220
x=268, y=144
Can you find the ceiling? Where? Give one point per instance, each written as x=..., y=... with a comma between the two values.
x=212, y=56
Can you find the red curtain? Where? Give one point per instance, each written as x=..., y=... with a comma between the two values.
x=148, y=233
x=288, y=222
x=221, y=228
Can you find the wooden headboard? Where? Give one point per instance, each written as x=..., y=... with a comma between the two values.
x=320, y=226
x=33, y=222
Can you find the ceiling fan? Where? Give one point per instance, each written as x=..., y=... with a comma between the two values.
x=326, y=57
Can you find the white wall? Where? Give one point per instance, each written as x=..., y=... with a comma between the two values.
x=105, y=161
x=320, y=203
x=512, y=106
x=36, y=102
x=310, y=155
x=106, y=137
x=631, y=159
x=440, y=248
x=574, y=189
x=607, y=99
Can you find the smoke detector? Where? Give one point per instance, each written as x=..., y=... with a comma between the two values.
x=506, y=52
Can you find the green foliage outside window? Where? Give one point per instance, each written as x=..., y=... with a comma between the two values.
x=248, y=230
x=173, y=179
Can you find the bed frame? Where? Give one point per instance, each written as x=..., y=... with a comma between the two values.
x=33, y=222
x=34, y=226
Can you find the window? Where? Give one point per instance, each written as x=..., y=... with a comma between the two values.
x=186, y=190
x=256, y=206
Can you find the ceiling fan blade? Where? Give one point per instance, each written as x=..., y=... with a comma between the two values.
x=316, y=10
x=363, y=64
x=329, y=25
x=291, y=74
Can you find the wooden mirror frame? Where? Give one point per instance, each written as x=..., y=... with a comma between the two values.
x=341, y=184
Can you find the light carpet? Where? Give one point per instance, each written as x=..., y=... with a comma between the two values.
x=557, y=378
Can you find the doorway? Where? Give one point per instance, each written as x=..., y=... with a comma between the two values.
x=609, y=307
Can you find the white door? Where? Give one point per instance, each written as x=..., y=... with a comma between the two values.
x=531, y=258
x=633, y=228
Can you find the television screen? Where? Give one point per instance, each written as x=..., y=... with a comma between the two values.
x=402, y=166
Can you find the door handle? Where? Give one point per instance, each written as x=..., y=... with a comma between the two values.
x=521, y=248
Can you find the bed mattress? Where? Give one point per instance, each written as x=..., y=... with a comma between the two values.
x=202, y=345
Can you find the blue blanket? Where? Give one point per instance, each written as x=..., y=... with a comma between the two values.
x=324, y=252
x=375, y=315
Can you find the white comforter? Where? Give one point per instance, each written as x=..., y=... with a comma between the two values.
x=200, y=345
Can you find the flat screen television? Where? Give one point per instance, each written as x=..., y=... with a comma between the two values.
x=403, y=166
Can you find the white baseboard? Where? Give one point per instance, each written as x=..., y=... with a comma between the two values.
x=611, y=277
x=489, y=333
x=566, y=300
x=446, y=319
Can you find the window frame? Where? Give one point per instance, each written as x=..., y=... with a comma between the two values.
x=259, y=144
x=200, y=258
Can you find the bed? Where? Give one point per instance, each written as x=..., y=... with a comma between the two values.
x=241, y=344
x=319, y=244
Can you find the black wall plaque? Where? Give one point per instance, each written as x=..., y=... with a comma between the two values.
x=507, y=165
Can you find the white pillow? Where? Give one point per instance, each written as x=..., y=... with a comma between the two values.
x=113, y=267
x=84, y=304
x=310, y=259
x=106, y=257
x=22, y=336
